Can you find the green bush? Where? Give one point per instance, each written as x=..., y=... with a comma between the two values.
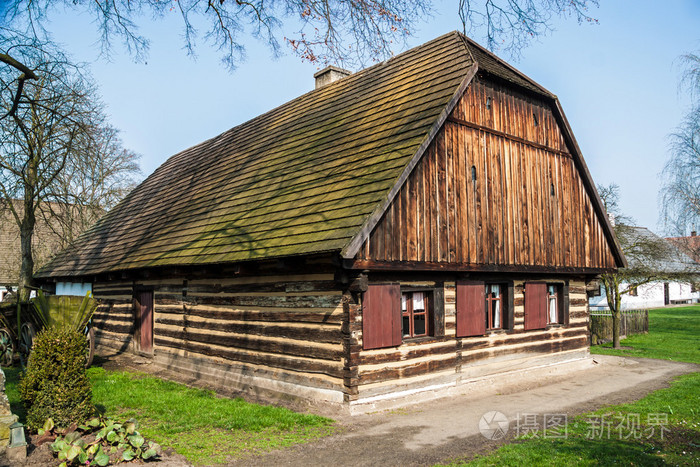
x=55, y=384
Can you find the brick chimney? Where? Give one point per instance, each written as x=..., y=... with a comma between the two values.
x=330, y=74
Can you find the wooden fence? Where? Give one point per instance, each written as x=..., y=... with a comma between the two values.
x=633, y=322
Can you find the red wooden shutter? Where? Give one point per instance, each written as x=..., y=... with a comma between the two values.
x=381, y=316
x=535, y=305
x=470, y=305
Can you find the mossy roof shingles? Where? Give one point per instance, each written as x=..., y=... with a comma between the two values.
x=300, y=179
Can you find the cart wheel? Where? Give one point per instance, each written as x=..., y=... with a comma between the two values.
x=7, y=348
x=26, y=340
x=90, y=353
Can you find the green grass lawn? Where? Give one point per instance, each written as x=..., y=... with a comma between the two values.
x=674, y=334
x=196, y=423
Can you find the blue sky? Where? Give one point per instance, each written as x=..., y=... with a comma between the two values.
x=617, y=82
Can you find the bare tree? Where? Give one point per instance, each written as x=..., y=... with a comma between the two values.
x=680, y=192
x=100, y=174
x=650, y=258
x=50, y=134
x=510, y=25
x=339, y=31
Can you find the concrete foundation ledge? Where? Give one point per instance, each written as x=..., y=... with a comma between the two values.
x=253, y=383
x=502, y=382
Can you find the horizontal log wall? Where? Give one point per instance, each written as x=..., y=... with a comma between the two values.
x=303, y=333
x=286, y=328
x=449, y=359
x=114, y=319
x=527, y=206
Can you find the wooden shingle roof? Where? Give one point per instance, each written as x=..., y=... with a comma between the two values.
x=311, y=176
x=300, y=179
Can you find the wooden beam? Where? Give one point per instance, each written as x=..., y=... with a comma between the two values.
x=462, y=267
x=517, y=139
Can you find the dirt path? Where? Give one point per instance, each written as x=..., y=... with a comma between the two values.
x=449, y=428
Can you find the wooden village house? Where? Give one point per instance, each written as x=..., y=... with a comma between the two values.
x=416, y=225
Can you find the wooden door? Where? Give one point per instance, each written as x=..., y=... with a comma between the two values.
x=144, y=301
x=667, y=298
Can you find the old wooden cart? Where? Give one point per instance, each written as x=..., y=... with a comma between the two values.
x=20, y=323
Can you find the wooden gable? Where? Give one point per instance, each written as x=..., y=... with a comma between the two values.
x=497, y=189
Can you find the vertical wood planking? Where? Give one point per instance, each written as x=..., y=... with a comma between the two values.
x=512, y=217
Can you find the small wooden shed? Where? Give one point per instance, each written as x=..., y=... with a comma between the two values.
x=415, y=225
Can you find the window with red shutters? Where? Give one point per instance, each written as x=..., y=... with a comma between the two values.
x=470, y=308
x=381, y=316
x=416, y=311
x=535, y=305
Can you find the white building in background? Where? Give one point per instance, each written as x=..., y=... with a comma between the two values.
x=655, y=294
x=651, y=295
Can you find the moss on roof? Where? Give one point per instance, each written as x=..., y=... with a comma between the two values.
x=299, y=179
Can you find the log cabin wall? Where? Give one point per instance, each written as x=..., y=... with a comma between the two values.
x=114, y=319
x=272, y=335
x=447, y=361
x=497, y=187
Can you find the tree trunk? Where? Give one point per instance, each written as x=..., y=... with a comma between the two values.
x=616, y=317
x=612, y=293
x=26, y=233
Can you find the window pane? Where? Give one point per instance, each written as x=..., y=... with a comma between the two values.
x=497, y=314
x=419, y=325
x=551, y=289
x=418, y=301
x=553, y=309
x=404, y=300
x=406, y=326
x=495, y=290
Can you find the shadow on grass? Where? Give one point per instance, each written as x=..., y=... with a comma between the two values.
x=12, y=376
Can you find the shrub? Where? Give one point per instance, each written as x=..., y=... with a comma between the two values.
x=55, y=384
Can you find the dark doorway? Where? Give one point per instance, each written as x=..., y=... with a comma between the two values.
x=667, y=298
x=143, y=302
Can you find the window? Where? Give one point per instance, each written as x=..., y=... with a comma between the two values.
x=415, y=313
x=391, y=314
x=694, y=287
x=494, y=306
x=545, y=304
x=482, y=307
x=633, y=291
